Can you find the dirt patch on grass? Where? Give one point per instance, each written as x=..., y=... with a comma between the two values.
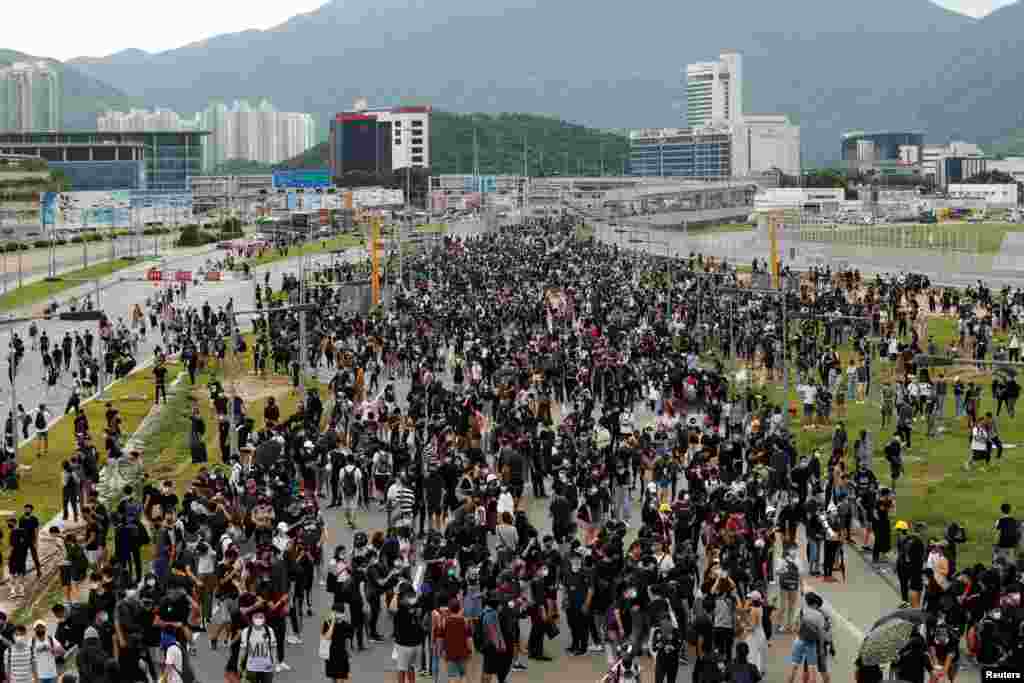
x=928, y=474
x=251, y=389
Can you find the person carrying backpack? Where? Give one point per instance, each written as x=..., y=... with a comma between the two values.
x=812, y=637
x=740, y=669
x=790, y=588
x=42, y=437
x=351, y=486
x=257, y=650
x=177, y=666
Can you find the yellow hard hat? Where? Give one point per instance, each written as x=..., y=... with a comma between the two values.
x=902, y=526
x=665, y=508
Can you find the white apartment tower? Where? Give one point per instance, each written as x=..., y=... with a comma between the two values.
x=714, y=91
x=30, y=97
x=242, y=131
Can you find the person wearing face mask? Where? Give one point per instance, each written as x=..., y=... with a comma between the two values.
x=408, y=633
x=540, y=622
x=561, y=508
x=258, y=648
x=579, y=594
x=46, y=650
x=105, y=629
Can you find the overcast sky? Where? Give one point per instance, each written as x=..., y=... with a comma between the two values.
x=96, y=28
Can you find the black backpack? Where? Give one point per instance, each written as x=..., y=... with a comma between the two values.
x=187, y=674
x=348, y=482
x=40, y=420
x=789, y=580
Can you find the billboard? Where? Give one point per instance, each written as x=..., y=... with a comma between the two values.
x=488, y=183
x=113, y=209
x=302, y=178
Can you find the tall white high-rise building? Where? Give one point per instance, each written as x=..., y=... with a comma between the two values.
x=138, y=120
x=30, y=97
x=714, y=91
x=239, y=132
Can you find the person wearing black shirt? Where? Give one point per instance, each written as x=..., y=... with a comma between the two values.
x=408, y=633
x=790, y=517
x=513, y=470
x=703, y=628
x=29, y=523
x=160, y=382
x=378, y=581
x=992, y=656
x=579, y=585
x=1007, y=535
x=944, y=646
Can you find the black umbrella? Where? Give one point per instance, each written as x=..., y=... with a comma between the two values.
x=888, y=636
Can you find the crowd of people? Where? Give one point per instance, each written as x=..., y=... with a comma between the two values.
x=557, y=436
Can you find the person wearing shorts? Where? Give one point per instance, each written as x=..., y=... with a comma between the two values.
x=804, y=653
x=979, y=447
x=42, y=419
x=405, y=659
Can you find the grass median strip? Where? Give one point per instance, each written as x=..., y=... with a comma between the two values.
x=40, y=291
x=40, y=480
x=324, y=246
x=934, y=488
x=978, y=238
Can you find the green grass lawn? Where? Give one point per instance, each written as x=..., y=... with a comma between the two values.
x=347, y=241
x=42, y=290
x=721, y=227
x=320, y=246
x=429, y=228
x=934, y=489
x=40, y=482
x=981, y=238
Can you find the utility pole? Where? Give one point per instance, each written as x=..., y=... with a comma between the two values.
x=100, y=359
x=476, y=157
x=526, y=163
x=302, y=329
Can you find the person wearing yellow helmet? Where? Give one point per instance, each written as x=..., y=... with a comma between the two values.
x=910, y=557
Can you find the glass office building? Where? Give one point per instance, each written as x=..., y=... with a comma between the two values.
x=101, y=176
x=680, y=153
x=158, y=161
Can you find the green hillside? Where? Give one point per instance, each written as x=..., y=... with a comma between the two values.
x=83, y=96
x=553, y=147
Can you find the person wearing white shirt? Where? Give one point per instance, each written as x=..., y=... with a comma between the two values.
x=506, y=503
x=281, y=539
x=174, y=662
x=45, y=650
x=257, y=651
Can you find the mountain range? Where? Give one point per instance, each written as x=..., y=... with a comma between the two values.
x=833, y=65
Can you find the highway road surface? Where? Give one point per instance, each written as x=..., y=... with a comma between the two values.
x=855, y=604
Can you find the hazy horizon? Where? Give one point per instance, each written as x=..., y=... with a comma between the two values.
x=83, y=29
